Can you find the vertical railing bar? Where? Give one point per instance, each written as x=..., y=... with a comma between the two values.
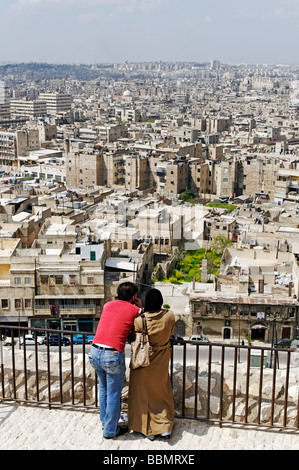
x=235, y=382
x=184, y=381
x=260, y=387
x=196, y=380
x=25, y=365
x=286, y=390
x=273, y=388
x=36, y=368
x=49, y=370
x=209, y=382
x=221, y=383
x=72, y=369
x=84, y=370
x=247, y=384
x=2, y=363
x=13, y=364
x=298, y=411
x=60, y=367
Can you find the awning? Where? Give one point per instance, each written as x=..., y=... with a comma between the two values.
x=259, y=326
x=70, y=297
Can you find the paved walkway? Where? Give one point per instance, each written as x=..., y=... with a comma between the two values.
x=26, y=427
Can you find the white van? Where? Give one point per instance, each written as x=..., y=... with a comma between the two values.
x=198, y=338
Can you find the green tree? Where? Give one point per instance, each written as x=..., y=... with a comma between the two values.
x=219, y=244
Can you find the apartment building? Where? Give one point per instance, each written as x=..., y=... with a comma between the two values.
x=200, y=180
x=286, y=185
x=57, y=283
x=5, y=110
x=56, y=102
x=177, y=176
x=27, y=108
x=259, y=175
x=136, y=170
x=111, y=133
x=16, y=143
x=83, y=167
x=229, y=178
x=227, y=315
x=128, y=114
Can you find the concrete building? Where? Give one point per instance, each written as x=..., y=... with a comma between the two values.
x=56, y=102
x=16, y=143
x=4, y=103
x=83, y=167
x=177, y=176
x=57, y=283
x=27, y=108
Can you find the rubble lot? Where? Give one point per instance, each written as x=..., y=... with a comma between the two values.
x=208, y=390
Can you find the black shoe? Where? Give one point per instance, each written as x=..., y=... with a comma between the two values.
x=121, y=432
x=151, y=438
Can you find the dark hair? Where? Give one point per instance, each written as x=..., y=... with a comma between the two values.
x=153, y=301
x=126, y=290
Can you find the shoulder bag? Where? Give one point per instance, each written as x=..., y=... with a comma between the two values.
x=140, y=347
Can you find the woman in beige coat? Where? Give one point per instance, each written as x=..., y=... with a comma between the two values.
x=151, y=407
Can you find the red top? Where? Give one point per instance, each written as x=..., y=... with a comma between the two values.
x=116, y=323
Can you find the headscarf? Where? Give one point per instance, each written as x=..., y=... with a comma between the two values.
x=153, y=301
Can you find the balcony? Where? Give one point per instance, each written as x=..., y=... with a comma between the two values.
x=67, y=309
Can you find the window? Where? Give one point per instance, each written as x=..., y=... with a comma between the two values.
x=44, y=279
x=4, y=303
x=17, y=280
x=18, y=303
x=90, y=280
x=28, y=303
x=72, y=279
x=27, y=280
x=58, y=280
x=292, y=312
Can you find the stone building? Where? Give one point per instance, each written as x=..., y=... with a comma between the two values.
x=259, y=317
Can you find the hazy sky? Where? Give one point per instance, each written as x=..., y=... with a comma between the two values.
x=89, y=31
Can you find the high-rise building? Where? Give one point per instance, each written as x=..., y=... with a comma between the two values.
x=56, y=102
x=4, y=103
x=28, y=108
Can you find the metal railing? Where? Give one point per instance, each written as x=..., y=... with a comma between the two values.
x=215, y=382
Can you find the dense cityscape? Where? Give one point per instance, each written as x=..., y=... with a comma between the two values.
x=180, y=175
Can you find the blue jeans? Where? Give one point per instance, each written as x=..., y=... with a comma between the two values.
x=110, y=367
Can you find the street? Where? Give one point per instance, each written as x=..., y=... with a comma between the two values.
x=178, y=353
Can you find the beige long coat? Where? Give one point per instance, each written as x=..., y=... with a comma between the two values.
x=151, y=407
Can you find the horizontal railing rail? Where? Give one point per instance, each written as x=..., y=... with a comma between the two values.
x=215, y=382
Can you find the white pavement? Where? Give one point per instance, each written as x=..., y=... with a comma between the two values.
x=27, y=427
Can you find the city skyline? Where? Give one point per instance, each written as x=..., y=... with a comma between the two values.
x=101, y=31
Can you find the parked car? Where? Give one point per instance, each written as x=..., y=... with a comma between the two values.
x=198, y=338
x=54, y=340
x=78, y=339
x=29, y=339
x=283, y=343
x=177, y=340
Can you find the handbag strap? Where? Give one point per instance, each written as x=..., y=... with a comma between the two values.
x=144, y=329
x=144, y=325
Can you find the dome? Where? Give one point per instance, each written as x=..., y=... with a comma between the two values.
x=127, y=93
